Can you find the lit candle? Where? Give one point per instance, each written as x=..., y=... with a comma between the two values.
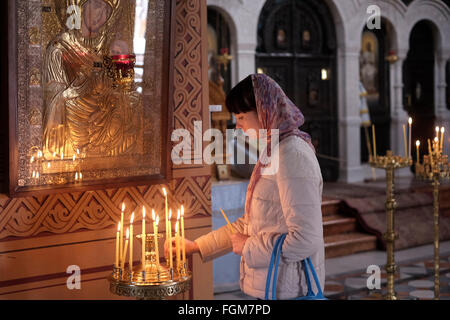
x=404, y=140
x=417, y=152
x=442, y=138
x=182, y=236
x=437, y=132
x=143, y=237
x=170, y=240
x=121, y=230
x=131, y=241
x=155, y=237
x=166, y=215
x=116, y=264
x=374, y=142
x=409, y=136
x=436, y=144
x=177, y=244
x=125, y=249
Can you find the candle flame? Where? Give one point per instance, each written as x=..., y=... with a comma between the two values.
x=170, y=214
x=62, y=156
x=37, y=174
x=178, y=214
x=153, y=214
x=48, y=164
x=132, y=217
x=32, y=159
x=157, y=219
x=81, y=175
x=128, y=233
x=78, y=151
x=417, y=143
x=176, y=227
x=123, y=206
x=34, y=174
x=410, y=120
x=118, y=228
x=164, y=191
x=182, y=210
x=54, y=154
x=436, y=139
x=73, y=158
x=143, y=212
x=442, y=129
x=437, y=129
x=76, y=175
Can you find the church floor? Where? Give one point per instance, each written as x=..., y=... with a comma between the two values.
x=346, y=277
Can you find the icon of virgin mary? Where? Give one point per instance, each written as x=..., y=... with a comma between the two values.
x=83, y=111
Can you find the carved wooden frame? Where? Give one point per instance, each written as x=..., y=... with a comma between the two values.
x=165, y=175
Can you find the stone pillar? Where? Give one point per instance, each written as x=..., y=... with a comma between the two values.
x=350, y=169
x=245, y=60
x=442, y=113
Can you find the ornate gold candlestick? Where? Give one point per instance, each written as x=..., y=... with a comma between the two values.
x=390, y=163
x=148, y=280
x=121, y=69
x=434, y=168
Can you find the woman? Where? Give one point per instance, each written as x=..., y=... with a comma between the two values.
x=288, y=201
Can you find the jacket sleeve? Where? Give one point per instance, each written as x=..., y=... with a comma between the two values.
x=218, y=242
x=300, y=189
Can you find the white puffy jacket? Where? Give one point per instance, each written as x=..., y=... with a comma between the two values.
x=286, y=202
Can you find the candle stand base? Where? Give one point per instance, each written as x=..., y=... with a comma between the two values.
x=149, y=281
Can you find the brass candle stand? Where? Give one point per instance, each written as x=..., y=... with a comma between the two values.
x=149, y=280
x=390, y=163
x=435, y=167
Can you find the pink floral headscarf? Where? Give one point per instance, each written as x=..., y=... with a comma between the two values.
x=275, y=111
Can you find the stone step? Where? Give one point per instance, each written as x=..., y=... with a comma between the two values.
x=337, y=224
x=348, y=243
x=330, y=207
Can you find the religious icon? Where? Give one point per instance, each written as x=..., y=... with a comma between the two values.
x=98, y=121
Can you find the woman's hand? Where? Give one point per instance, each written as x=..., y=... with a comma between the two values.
x=238, y=240
x=191, y=247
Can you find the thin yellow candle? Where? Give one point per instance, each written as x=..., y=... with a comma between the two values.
x=177, y=244
x=155, y=237
x=125, y=249
x=170, y=240
x=417, y=151
x=374, y=142
x=404, y=140
x=409, y=136
x=442, y=138
x=436, y=144
x=143, y=237
x=228, y=221
x=437, y=132
x=430, y=151
x=166, y=215
x=183, y=245
x=116, y=264
x=121, y=231
x=131, y=240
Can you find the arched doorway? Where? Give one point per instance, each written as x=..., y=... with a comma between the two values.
x=418, y=78
x=297, y=48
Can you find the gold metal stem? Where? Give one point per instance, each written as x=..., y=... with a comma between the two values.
x=436, y=184
x=390, y=236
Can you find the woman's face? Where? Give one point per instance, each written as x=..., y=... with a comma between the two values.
x=246, y=121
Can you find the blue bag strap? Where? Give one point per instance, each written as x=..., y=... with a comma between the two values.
x=277, y=261
x=319, y=289
x=308, y=279
x=269, y=273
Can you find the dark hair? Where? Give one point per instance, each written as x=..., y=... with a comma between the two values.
x=241, y=98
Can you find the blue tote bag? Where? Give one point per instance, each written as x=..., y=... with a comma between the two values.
x=308, y=267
